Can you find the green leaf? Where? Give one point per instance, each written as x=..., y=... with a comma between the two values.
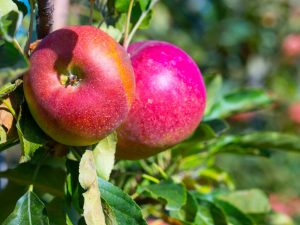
x=188, y=212
x=74, y=190
x=234, y=215
x=257, y=141
x=12, y=63
x=122, y=5
x=213, y=86
x=21, y=6
x=92, y=208
x=9, y=87
x=48, y=179
x=104, y=155
x=115, y=33
x=6, y=7
x=31, y=136
x=10, y=19
x=248, y=201
x=9, y=25
x=125, y=210
x=29, y=211
x=144, y=4
x=9, y=196
x=209, y=214
x=174, y=194
x=218, y=126
x=239, y=101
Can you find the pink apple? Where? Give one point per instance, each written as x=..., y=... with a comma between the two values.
x=80, y=85
x=169, y=103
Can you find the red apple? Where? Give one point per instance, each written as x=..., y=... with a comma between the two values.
x=291, y=45
x=169, y=102
x=80, y=85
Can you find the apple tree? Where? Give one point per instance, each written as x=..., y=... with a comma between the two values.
x=64, y=179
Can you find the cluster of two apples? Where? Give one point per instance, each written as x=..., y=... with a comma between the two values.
x=82, y=85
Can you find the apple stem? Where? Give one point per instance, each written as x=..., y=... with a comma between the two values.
x=127, y=25
x=128, y=39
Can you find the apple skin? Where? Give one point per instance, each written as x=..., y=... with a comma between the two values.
x=82, y=114
x=169, y=103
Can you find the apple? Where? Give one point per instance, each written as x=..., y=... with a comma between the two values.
x=169, y=103
x=80, y=85
x=291, y=45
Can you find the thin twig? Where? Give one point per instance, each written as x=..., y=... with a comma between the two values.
x=92, y=3
x=30, y=27
x=127, y=25
x=138, y=23
x=17, y=45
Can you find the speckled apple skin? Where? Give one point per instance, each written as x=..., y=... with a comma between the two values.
x=169, y=103
x=84, y=114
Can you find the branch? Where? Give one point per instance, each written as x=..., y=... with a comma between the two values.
x=127, y=25
x=136, y=26
x=44, y=21
x=32, y=11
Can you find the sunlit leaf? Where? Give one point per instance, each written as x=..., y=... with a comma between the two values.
x=173, y=194
x=124, y=209
x=104, y=155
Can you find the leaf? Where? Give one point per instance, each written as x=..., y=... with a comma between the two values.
x=9, y=25
x=252, y=201
x=239, y=101
x=104, y=155
x=213, y=85
x=174, y=194
x=6, y=7
x=21, y=6
x=125, y=210
x=29, y=211
x=115, y=33
x=9, y=88
x=31, y=136
x=144, y=4
x=218, y=126
x=234, y=215
x=12, y=63
x=122, y=5
x=259, y=141
x=188, y=212
x=209, y=214
x=74, y=190
x=9, y=196
x=92, y=208
x=48, y=180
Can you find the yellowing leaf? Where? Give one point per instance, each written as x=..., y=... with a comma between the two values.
x=92, y=208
